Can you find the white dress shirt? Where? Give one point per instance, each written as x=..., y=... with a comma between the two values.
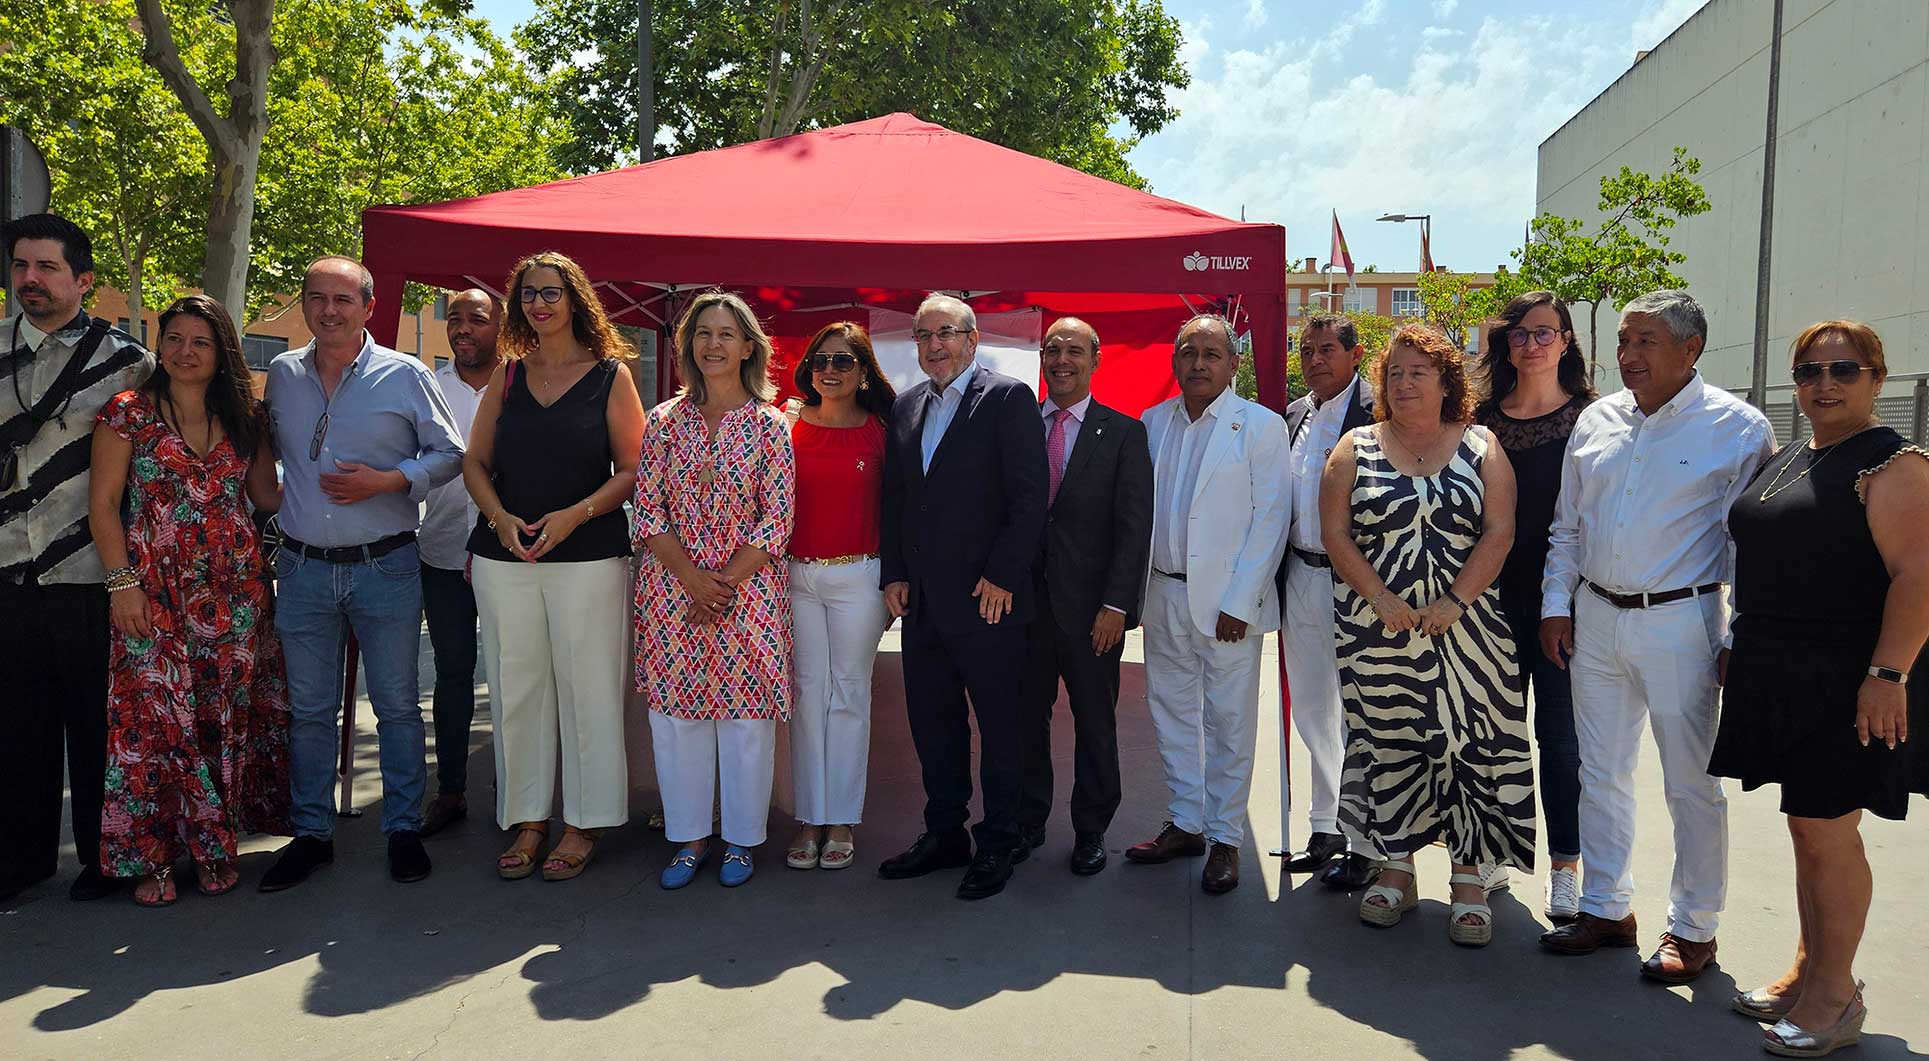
x=1174, y=476
x=937, y=417
x=1644, y=499
x=449, y=514
x=1072, y=422
x=1318, y=434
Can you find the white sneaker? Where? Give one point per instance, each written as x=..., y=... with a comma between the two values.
x=1493, y=877
x=1563, y=895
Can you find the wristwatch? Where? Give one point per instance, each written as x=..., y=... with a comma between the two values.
x=1890, y=675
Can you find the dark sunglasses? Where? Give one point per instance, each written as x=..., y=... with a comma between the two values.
x=1541, y=336
x=839, y=362
x=1810, y=372
x=551, y=295
x=315, y=441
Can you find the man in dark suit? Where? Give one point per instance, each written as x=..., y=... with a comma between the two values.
x=1088, y=578
x=964, y=507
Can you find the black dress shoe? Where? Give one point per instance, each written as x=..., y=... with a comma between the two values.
x=1088, y=853
x=1222, y=870
x=987, y=875
x=303, y=856
x=408, y=860
x=1321, y=848
x=931, y=852
x=1030, y=838
x=92, y=884
x=1353, y=871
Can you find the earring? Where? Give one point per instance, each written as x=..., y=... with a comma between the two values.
x=864, y=386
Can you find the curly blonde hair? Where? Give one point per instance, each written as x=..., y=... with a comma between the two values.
x=587, y=320
x=1457, y=403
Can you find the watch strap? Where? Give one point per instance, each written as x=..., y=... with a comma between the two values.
x=1889, y=674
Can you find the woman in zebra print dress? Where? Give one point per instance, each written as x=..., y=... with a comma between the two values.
x=1419, y=512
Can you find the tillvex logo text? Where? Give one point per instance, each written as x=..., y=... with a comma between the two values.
x=1199, y=263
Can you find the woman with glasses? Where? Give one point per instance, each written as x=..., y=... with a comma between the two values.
x=551, y=458
x=713, y=507
x=1828, y=683
x=837, y=609
x=1537, y=385
x=197, y=707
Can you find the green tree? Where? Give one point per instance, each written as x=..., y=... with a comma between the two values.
x=1626, y=252
x=1458, y=308
x=1075, y=81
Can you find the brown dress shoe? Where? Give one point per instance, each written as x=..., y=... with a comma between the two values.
x=1677, y=960
x=1587, y=934
x=1222, y=870
x=1172, y=842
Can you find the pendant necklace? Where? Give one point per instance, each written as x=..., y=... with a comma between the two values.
x=1774, y=489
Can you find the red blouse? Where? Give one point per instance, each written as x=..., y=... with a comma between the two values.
x=840, y=480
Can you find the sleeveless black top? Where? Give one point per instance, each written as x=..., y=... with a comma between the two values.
x=553, y=457
x=1536, y=448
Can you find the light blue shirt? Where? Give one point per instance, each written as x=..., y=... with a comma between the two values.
x=387, y=413
x=937, y=417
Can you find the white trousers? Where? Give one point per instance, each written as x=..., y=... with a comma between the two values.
x=837, y=615
x=1313, y=676
x=697, y=757
x=1658, y=665
x=1204, y=696
x=555, y=646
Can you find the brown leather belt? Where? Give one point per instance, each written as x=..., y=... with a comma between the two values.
x=1311, y=558
x=1650, y=600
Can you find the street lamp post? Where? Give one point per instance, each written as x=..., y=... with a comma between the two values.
x=1426, y=228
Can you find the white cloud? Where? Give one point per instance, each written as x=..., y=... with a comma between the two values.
x=1369, y=14
x=1434, y=33
x=1444, y=8
x=1661, y=18
x=1255, y=13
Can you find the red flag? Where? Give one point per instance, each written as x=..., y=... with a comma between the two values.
x=1426, y=250
x=1339, y=255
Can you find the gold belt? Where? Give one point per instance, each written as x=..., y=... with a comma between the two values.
x=854, y=558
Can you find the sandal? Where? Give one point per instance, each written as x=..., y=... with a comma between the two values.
x=1480, y=932
x=838, y=854
x=565, y=865
x=1398, y=901
x=166, y=895
x=804, y=855
x=514, y=864
x=216, y=878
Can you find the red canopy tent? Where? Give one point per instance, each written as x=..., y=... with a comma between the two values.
x=873, y=213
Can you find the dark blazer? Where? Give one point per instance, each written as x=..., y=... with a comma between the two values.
x=1098, y=531
x=978, y=512
x=1358, y=414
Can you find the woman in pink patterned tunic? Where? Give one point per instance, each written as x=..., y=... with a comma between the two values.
x=713, y=509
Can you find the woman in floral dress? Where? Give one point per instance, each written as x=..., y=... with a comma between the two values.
x=197, y=705
x=713, y=508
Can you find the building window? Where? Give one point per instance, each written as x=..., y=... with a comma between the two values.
x=258, y=350
x=1295, y=301
x=127, y=326
x=1362, y=300
x=442, y=307
x=1406, y=302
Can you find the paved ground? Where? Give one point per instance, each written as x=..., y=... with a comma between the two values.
x=1133, y=962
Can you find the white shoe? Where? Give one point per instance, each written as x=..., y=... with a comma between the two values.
x=1563, y=895
x=1493, y=877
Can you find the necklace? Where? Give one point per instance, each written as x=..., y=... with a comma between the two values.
x=1774, y=489
x=1394, y=432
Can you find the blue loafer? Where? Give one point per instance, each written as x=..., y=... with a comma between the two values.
x=736, y=866
x=683, y=868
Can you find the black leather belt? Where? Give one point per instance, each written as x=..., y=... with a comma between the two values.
x=350, y=554
x=1650, y=600
x=1180, y=577
x=1311, y=558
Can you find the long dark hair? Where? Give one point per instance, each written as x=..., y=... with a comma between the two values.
x=876, y=398
x=231, y=393
x=1497, y=367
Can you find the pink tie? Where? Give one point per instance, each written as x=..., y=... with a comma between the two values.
x=1055, y=452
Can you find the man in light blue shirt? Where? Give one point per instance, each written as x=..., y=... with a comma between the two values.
x=363, y=434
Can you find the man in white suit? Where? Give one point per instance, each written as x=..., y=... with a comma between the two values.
x=1221, y=505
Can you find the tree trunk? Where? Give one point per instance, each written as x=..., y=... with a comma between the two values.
x=136, y=312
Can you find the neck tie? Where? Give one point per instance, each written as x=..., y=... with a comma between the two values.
x=1055, y=452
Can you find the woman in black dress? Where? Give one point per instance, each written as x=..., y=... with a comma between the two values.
x=1828, y=676
x=1537, y=385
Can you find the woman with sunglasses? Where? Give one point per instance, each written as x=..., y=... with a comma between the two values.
x=1537, y=385
x=551, y=458
x=837, y=610
x=197, y=704
x=1828, y=682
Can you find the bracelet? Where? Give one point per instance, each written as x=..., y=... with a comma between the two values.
x=122, y=578
x=1455, y=597
x=589, y=509
x=1889, y=674
x=492, y=520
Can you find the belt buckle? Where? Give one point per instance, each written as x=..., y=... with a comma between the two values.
x=1644, y=601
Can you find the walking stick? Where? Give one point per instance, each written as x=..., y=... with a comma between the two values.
x=1285, y=757
x=350, y=655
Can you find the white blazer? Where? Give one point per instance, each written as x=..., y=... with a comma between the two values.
x=1242, y=505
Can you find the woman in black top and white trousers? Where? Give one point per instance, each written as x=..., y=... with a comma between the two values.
x=552, y=457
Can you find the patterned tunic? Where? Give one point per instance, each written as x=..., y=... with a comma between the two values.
x=1436, y=727
x=197, y=714
x=715, y=496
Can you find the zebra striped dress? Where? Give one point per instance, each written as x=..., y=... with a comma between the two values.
x=1436, y=727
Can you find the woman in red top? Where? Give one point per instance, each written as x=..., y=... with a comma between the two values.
x=837, y=610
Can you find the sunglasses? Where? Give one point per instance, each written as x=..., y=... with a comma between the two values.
x=836, y=362
x=1541, y=336
x=1810, y=372
x=315, y=441
x=550, y=295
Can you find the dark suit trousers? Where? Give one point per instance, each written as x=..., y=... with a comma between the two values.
x=940, y=671
x=53, y=668
x=1092, y=687
x=449, y=603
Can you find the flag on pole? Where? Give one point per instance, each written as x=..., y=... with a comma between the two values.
x=1426, y=251
x=1339, y=255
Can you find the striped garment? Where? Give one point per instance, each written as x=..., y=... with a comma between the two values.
x=43, y=518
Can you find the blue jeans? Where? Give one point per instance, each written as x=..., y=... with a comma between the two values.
x=1560, y=749
x=316, y=604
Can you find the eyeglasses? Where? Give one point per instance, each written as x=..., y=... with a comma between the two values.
x=321, y=432
x=1810, y=372
x=1541, y=336
x=836, y=362
x=550, y=295
x=946, y=334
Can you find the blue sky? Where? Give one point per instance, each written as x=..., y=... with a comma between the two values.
x=1298, y=108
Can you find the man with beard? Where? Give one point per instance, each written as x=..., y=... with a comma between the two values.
x=449, y=602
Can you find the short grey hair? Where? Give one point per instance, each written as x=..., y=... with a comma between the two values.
x=367, y=279
x=1677, y=309
x=938, y=300
x=1232, y=337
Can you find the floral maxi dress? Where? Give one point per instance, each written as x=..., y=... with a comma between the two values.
x=197, y=713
